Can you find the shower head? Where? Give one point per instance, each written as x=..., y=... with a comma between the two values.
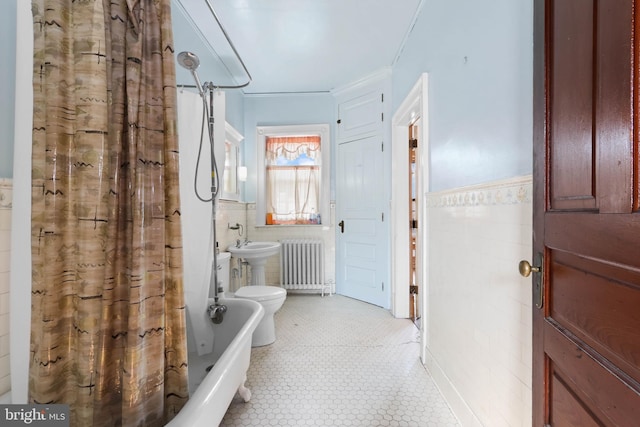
x=188, y=60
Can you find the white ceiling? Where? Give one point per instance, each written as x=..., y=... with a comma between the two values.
x=301, y=45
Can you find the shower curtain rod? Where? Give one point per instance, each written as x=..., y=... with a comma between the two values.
x=226, y=36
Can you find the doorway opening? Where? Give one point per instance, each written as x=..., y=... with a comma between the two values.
x=414, y=286
x=410, y=182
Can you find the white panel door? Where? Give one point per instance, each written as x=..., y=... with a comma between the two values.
x=361, y=239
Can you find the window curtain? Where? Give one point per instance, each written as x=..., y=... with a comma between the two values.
x=293, y=193
x=108, y=321
x=291, y=147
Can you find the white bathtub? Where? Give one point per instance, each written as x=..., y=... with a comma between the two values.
x=211, y=392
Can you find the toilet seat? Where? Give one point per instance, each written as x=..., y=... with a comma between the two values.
x=261, y=292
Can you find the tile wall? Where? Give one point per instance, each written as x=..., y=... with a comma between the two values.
x=479, y=308
x=228, y=213
x=245, y=214
x=5, y=246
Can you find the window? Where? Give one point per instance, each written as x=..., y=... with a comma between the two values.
x=293, y=179
x=295, y=169
x=231, y=189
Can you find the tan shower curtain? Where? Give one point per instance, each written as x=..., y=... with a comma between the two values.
x=108, y=321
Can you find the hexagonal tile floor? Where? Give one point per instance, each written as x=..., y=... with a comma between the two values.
x=339, y=362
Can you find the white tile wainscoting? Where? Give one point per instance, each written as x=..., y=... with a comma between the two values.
x=478, y=312
x=245, y=215
x=227, y=212
x=6, y=187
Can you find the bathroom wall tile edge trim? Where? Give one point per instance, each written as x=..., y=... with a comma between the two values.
x=510, y=191
x=6, y=193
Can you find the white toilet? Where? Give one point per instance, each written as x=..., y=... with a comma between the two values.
x=271, y=298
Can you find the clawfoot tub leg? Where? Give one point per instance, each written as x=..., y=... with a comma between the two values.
x=244, y=392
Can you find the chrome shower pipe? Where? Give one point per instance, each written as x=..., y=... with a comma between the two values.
x=191, y=62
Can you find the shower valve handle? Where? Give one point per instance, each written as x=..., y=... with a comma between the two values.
x=341, y=224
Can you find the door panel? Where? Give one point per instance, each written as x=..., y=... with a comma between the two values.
x=360, y=116
x=572, y=106
x=566, y=409
x=587, y=333
x=361, y=244
x=603, y=313
x=607, y=396
x=615, y=105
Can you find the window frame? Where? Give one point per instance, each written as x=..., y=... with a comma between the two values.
x=234, y=139
x=263, y=132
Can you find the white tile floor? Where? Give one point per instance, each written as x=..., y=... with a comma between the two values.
x=339, y=362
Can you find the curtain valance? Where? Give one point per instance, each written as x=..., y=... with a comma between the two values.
x=292, y=147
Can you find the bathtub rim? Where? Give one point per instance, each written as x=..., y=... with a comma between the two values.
x=206, y=394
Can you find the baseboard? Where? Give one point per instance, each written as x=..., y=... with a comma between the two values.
x=458, y=406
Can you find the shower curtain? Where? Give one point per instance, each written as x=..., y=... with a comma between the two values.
x=108, y=321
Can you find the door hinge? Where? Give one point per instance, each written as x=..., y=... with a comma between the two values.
x=382, y=117
x=382, y=146
x=413, y=143
x=382, y=97
x=382, y=216
x=414, y=223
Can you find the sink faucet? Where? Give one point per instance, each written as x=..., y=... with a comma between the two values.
x=238, y=243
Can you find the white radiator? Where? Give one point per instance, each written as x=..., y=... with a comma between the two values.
x=302, y=265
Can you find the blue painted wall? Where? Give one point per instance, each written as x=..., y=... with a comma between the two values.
x=282, y=109
x=480, y=102
x=185, y=38
x=7, y=85
x=480, y=61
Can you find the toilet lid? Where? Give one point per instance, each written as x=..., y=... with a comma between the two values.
x=260, y=292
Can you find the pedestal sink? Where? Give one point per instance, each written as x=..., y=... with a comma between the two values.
x=256, y=254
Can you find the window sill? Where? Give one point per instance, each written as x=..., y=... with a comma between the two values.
x=291, y=225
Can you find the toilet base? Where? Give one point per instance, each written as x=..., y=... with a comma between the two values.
x=265, y=333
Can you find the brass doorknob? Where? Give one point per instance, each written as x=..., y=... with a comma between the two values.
x=526, y=268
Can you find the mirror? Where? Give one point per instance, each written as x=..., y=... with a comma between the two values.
x=231, y=187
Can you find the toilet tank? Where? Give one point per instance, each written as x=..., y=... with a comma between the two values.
x=223, y=273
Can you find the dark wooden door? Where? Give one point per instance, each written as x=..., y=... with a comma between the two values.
x=586, y=314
